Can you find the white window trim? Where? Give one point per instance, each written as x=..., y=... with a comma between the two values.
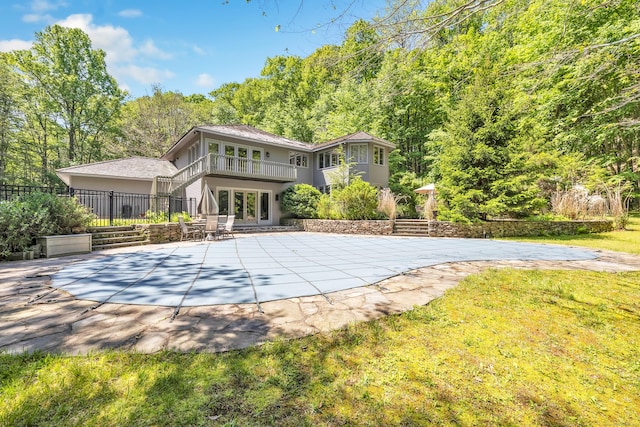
x=366, y=153
x=330, y=153
x=232, y=201
x=294, y=155
x=381, y=155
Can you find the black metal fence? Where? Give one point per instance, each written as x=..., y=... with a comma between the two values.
x=114, y=208
x=9, y=192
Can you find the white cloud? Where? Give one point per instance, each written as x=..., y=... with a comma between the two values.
x=197, y=49
x=130, y=13
x=150, y=49
x=44, y=5
x=115, y=41
x=14, y=44
x=205, y=80
x=144, y=75
x=34, y=17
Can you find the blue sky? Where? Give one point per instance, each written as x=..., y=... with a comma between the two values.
x=190, y=46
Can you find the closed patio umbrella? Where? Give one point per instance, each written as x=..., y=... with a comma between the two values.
x=208, y=204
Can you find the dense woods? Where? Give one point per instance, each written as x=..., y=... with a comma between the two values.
x=499, y=102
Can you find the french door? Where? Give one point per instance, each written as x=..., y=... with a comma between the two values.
x=249, y=206
x=245, y=204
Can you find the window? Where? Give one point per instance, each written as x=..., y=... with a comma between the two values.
x=359, y=153
x=298, y=159
x=328, y=159
x=378, y=156
x=223, y=202
x=214, y=146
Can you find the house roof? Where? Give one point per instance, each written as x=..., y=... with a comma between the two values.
x=140, y=168
x=240, y=132
x=354, y=137
x=249, y=133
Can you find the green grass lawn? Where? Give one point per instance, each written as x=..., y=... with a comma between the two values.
x=623, y=241
x=505, y=347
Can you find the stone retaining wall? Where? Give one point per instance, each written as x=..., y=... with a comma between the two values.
x=170, y=232
x=511, y=228
x=160, y=233
x=505, y=228
x=373, y=227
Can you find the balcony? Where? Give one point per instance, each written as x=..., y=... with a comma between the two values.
x=227, y=166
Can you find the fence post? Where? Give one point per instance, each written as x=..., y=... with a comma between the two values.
x=111, y=208
x=169, y=219
x=72, y=191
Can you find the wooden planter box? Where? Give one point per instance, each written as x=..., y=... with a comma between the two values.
x=67, y=244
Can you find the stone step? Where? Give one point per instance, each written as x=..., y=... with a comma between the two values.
x=110, y=229
x=118, y=239
x=120, y=245
x=125, y=234
x=411, y=227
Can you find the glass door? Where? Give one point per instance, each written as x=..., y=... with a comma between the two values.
x=245, y=206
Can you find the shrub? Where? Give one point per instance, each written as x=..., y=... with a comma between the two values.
x=358, y=200
x=301, y=200
x=326, y=208
x=39, y=214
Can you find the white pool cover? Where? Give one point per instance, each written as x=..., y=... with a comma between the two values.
x=277, y=266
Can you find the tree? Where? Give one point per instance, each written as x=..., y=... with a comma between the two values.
x=9, y=114
x=76, y=87
x=482, y=164
x=150, y=125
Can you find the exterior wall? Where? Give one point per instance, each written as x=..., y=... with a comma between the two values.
x=194, y=191
x=111, y=184
x=377, y=175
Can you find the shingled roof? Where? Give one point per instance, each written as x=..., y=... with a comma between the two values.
x=241, y=133
x=354, y=137
x=130, y=168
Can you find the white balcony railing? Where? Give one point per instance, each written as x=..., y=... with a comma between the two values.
x=216, y=164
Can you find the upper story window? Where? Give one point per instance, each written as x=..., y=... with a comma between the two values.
x=298, y=159
x=359, y=153
x=378, y=155
x=194, y=152
x=214, y=146
x=328, y=159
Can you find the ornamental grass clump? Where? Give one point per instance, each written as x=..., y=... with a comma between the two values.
x=388, y=203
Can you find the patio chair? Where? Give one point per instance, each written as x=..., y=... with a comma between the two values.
x=228, y=227
x=211, y=227
x=186, y=231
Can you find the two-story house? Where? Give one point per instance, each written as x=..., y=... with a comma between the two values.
x=246, y=168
